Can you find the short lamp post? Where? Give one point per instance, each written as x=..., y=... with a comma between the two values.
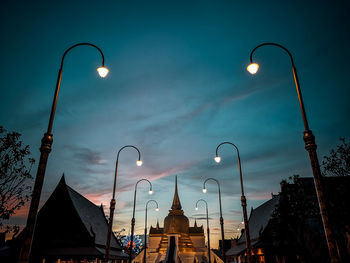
x=133, y=215
x=208, y=232
x=45, y=150
x=221, y=218
x=310, y=146
x=112, y=204
x=243, y=199
x=145, y=243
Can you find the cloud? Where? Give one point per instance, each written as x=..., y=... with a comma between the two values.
x=85, y=155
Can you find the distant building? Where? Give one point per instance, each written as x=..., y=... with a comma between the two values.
x=176, y=241
x=258, y=221
x=288, y=227
x=72, y=229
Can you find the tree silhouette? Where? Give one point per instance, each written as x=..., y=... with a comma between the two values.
x=338, y=161
x=15, y=167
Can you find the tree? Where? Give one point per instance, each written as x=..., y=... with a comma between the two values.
x=338, y=161
x=15, y=178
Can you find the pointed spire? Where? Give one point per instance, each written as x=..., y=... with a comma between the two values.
x=195, y=223
x=176, y=202
x=62, y=180
x=157, y=227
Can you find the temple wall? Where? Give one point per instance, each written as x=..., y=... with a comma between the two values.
x=198, y=242
x=153, y=243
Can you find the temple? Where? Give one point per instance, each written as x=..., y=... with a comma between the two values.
x=176, y=241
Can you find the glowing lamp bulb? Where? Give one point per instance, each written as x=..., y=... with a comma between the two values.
x=204, y=190
x=157, y=209
x=150, y=192
x=138, y=162
x=217, y=159
x=102, y=71
x=253, y=68
x=196, y=208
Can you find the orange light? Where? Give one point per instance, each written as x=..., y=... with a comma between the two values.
x=102, y=71
x=217, y=159
x=253, y=68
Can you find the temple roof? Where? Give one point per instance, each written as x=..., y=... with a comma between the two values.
x=90, y=219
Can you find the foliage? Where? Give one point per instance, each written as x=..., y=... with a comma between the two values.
x=294, y=220
x=15, y=168
x=338, y=161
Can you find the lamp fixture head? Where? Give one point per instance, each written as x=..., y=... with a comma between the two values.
x=102, y=71
x=138, y=162
x=217, y=159
x=150, y=192
x=157, y=209
x=253, y=68
x=204, y=190
x=196, y=208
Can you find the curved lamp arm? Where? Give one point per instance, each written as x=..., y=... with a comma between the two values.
x=253, y=68
x=154, y=201
x=205, y=190
x=138, y=163
x=83, y=44
x=202, y=200
x=213, y=179
x=218, y=159
x=271, y=44
x=101, y=70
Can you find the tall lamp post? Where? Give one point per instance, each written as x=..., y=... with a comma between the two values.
x=112, y=204
x=133, y=215
x=310, y=146
x=243, y=199
x=221, y=218
x=145, y=244
x=208, y=233
x=45, y=150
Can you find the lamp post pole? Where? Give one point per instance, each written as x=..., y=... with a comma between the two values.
x=208, y=232
x=45, y=150
x=112, y=204
x=221, y=218
x=243, y=199
x=145, y=244
x=133, y=216
x=310, y=146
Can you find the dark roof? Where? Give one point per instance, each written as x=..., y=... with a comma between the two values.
x=156, y=230
x=84, y=219
x=196, y=229
x=93, y=218
x=258, y=220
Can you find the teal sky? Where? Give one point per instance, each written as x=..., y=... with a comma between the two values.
x=177, y=87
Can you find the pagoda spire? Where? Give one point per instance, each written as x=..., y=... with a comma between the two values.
x=176, y=201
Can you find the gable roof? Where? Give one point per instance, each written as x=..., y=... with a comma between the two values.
x=258, y=220
x=91, y=215
x=93, y=218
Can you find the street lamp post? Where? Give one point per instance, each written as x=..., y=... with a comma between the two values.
x=145, y=243
x=221, y=218
x=310, y=146
x=112, y=204
x=208, y=232
x=133, y=215
x=45, y=150
x=243, y=199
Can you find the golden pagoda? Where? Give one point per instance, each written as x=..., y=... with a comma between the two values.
x=176, y=241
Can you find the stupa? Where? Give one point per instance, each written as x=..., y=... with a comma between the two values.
x=175, y=242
